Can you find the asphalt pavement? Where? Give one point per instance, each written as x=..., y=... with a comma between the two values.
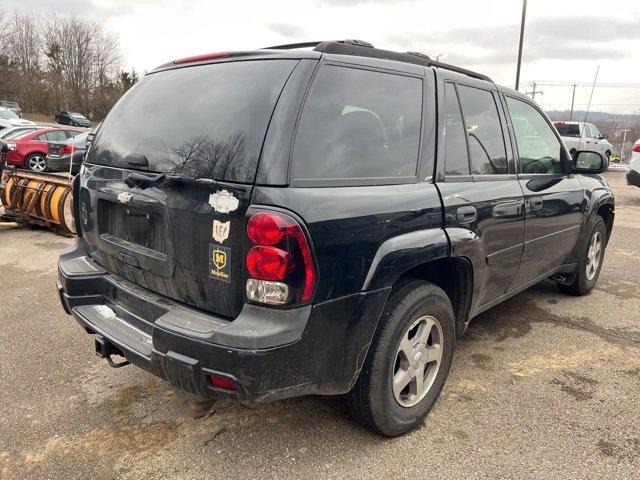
x=542, y=386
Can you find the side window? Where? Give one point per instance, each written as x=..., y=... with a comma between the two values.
x=539, y=149
x=42, y=137
x=587, y=130
x=359, y=124
x=456, y=155
x=595, y=133
x=484, y=132
x=57, y=136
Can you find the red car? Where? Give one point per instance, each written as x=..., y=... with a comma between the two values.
x=29, y=150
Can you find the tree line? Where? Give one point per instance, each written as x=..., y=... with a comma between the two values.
x=56, y=62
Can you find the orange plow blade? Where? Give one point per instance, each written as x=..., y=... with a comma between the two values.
x=38, y=199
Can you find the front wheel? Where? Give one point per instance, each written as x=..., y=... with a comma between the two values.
x=36, y=162
x=408, y=360
x=590, y=263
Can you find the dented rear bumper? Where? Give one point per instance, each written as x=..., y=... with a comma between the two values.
x=269, y=353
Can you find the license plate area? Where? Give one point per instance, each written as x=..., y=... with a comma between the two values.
x=133, y=227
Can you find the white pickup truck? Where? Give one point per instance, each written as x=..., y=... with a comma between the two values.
x=583, y=136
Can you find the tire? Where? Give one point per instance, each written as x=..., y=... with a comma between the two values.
x=416, y=311
x=587, y=272
x=36, y=162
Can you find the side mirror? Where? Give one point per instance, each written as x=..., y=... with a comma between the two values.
x=585, y=161
x=4, y=147
x=604, y=136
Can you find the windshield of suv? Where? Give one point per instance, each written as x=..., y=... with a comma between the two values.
x=568, y=129
x=8, y=114
x=205, y=121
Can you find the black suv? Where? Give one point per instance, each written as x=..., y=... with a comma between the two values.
x=285, y=222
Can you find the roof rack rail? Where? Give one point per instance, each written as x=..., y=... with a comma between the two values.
x=365, y=49
x=453, y=68
x=291, y=46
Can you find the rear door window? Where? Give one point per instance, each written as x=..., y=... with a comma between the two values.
x=206, y=121
x=457, y=157
x=484, y=132
x=359, y=124
x=57, y=136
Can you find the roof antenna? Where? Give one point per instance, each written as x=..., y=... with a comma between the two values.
x=586, y=114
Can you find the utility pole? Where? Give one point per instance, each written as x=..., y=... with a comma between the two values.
x=524, y=16
x=573, y=97
x=624, y=140
x=534, y=92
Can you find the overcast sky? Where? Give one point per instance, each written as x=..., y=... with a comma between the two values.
x=565, y=40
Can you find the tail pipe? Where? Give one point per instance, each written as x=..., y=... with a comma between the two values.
x=38, y=199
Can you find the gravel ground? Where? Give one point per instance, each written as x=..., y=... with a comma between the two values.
x=542, y=386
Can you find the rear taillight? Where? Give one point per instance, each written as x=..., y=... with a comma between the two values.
x=66, y=149
x=280, y=263
x=636, y=147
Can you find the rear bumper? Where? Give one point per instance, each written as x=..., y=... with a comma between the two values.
x=270, y=354
x=57, y=164
x=633, y=178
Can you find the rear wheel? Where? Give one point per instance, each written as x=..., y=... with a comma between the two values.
x=36, y=162
x=408, y=360
x=588, y=268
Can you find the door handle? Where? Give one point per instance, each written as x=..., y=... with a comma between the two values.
x=535, y=203
x=467, y=214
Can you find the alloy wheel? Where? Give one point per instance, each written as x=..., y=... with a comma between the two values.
x=594, y=254
x=37, y=163
x=417, y=361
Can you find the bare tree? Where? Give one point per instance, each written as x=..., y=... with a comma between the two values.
x=55, y=62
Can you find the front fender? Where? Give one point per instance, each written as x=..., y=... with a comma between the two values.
x=597, y=199
x=403, y=252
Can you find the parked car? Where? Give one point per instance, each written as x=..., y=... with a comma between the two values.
x=13, y=106
x=72, y=118
x=10, y=119
x=11, y=132
x=315, y=234
x=29, y=150
x=633, y=172
x=60, y=154
x=582, y=136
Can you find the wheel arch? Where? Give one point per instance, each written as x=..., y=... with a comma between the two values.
x=454, y=275
x=425, y=255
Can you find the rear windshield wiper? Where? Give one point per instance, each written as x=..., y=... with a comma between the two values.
x=144, y=180
x=176, y=178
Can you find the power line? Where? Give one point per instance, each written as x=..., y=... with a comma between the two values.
x=584, y=84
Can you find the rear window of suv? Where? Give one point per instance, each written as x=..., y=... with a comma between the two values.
x=205, y=121
x=568, y=129
x=358, y=126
